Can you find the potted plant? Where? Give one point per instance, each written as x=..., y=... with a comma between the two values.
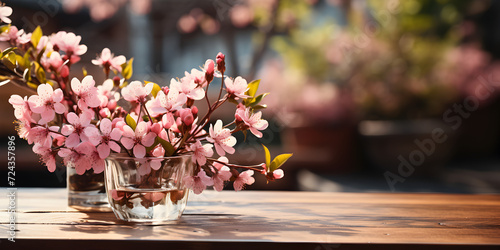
x=151, y=142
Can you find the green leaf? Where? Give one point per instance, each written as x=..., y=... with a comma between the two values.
x=252, y=88
x=130, y=121
x=156, y=88
x=4, y=28
x=169, y=149
x=279, y=161
x=12, y=58
x=127, y=69
x=268, y=156
x=36, y=35
x=257, y=99
x=40, y=75
x=8, y=50
x=259, y=107
x=84, y=71
x=32, y=85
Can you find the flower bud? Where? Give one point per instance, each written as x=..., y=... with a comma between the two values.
x=116, y=81
x=112, y=104
x=221, y=64
x=187, y=117
x=165, y=90
x=194, y=110
x=65, y=71
x=209, y=70
x=104, y=112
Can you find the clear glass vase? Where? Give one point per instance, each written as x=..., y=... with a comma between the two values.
x=147, y=190
x=86, y=192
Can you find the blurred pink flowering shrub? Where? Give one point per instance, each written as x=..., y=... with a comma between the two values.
x=81, y=121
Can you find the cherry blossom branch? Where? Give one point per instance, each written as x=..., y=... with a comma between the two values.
x=251, y=167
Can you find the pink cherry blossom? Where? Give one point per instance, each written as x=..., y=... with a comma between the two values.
x=169, y=102
x=77, y=157
x=138, y=140
x=104, y=138
x=47, y=102
x=76, y=130
x=106, y=94
x=108, y=60
x=22, y=111
x=222, y=174
x=54, y=62
x=188, y=87
x=41, y=134
x=24, y=38
x=69, y=43
x=136, y=92
x=197, y=76
x=44, y=43
x=245, y=178
x=201, y=152
x=12, y=34
x=221, y=138
x=252, y=121
x=47, y=155
x=98, y=163
x=236, y=88
x=199, y=182
x=5, y=12
x=86, y=92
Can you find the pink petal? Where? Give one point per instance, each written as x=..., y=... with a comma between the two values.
x=128, y=131
x=67, y=129
x=256, y=132
x=73, y=118
x=228, y=149
x=51, y=164
x=98, y=166
x=72, y=140
x=149, y=139
x=278, y=173
x=85, y=148
x=127, y=142
x=93, y=134
x=105, y=126
x=141, y=129
x=115, y=134
x=139, y=151
x=219, y=150
x=59, y=108
x=114, y=146
x=64, y=152
x=45, y=91
x=103, y=151
x=76, y=86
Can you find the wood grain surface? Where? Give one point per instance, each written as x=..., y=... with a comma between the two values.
x=263, y=219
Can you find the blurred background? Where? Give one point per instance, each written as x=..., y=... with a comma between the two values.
x=370, y=96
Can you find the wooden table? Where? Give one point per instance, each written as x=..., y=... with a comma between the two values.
x=262, y=220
